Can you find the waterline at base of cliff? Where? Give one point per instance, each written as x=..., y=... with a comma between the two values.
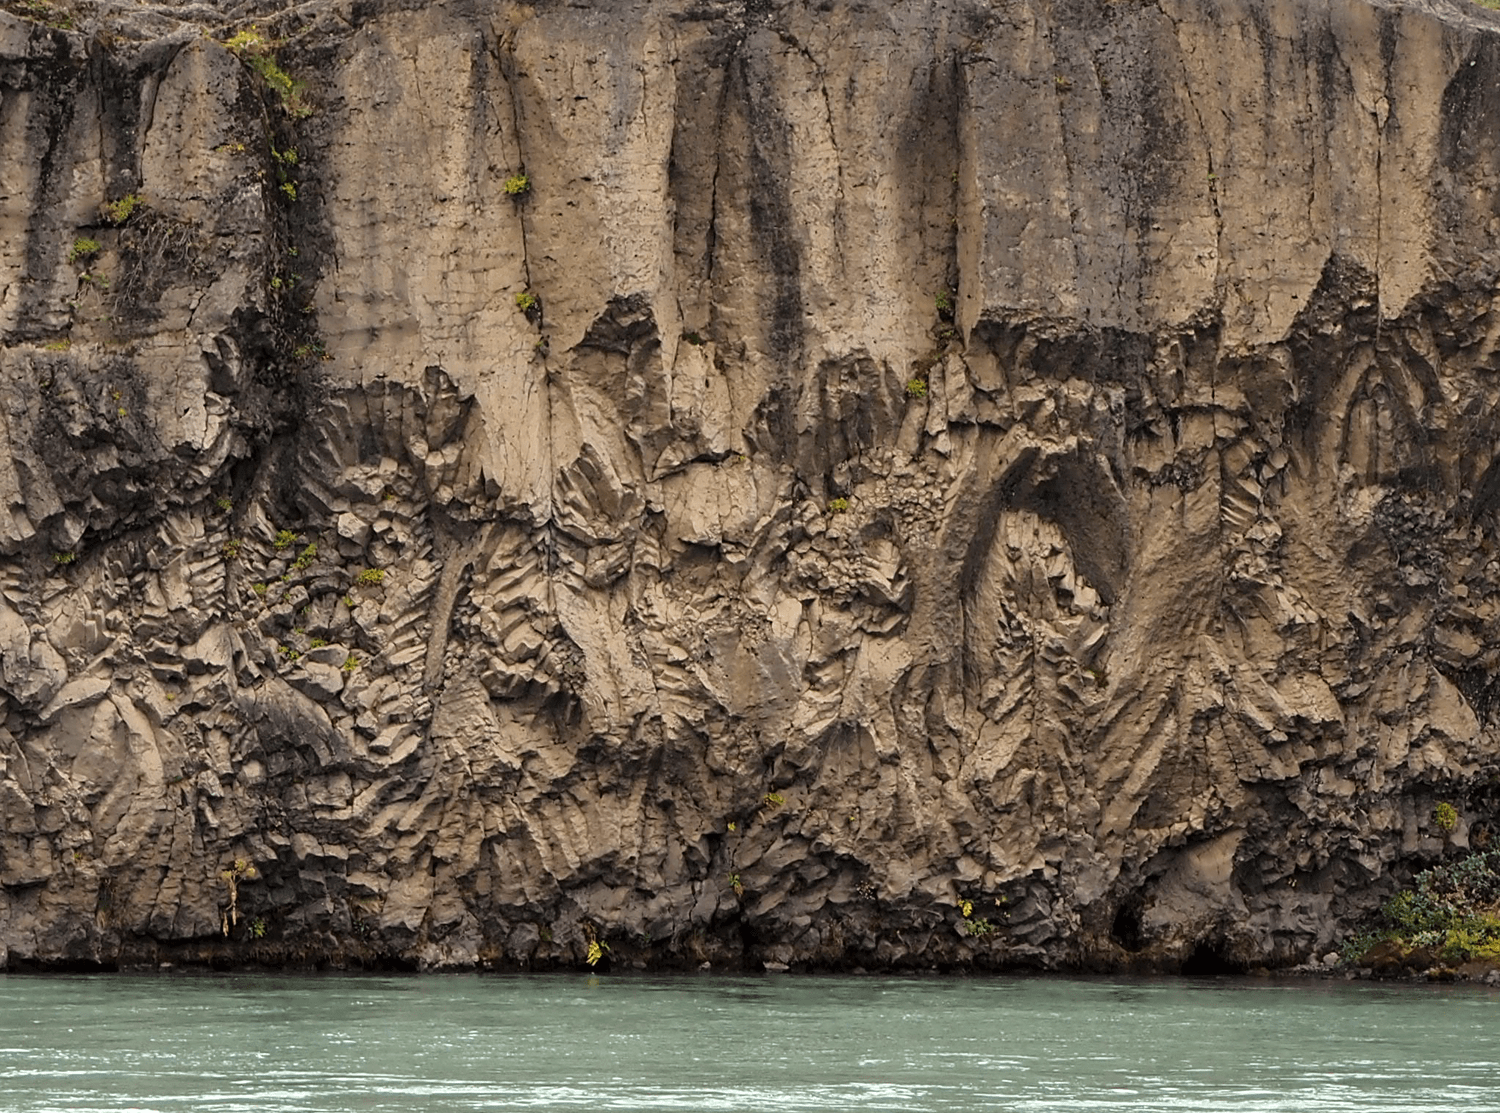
x=919, y=1045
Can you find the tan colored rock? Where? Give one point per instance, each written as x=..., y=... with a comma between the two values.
x=957, y=452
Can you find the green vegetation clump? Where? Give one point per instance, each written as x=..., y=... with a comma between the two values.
x=1451, y=910
x=231, y=549
x=916, y=388
x=305, y=558
x=529, y=304
x=259, y=589
x=63, y=558
x=943, y=301
x=84, y=249
x=284, y=541
x=118, y=212
x=517, y=185
x=351, y=663
x=370, y=577
x=1445, y=815
x=44, y=12
x=838, y=505
x=259, y=53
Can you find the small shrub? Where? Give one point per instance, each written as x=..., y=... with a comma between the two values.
x=966, y=907
x=224, y=503
x=258, y=52
x=284, y=541
x=517, y=185
x=838, y=505
x=305, y=558
x=241, y=870
x=290, y=189
x=1450, y=908
x=231, y=549
x=774, y=799
x=57, y=345
x=258, y=929
x=978, y=927
x=63, y=558
x=1445, y=815
x=734, y=883
x=943, y=300
x=351, y=663
x=916, y=388
x=84, y=249
x=596, y=952
x=259, y=589
x=528, y=303
x=370, y=577
x=317, y=643
x=118, y=212
x=250, y=39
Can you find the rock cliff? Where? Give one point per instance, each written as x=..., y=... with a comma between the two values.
x=928, y=482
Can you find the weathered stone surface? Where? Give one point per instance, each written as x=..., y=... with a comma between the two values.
x=1028, y=457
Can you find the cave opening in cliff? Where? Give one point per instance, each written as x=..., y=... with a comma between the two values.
x=1126, y=928
x=1210, y=956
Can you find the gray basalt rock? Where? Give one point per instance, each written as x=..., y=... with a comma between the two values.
x=961, y=483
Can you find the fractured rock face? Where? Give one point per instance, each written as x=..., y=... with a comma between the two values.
x=943, y=483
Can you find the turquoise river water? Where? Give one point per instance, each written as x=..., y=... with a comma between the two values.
x=331, y=1044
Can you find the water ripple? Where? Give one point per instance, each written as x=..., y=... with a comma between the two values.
x=256, y=1044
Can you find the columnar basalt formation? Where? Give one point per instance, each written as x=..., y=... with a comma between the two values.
x=948, y=482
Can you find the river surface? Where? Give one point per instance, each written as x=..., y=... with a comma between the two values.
x=331, y=1044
